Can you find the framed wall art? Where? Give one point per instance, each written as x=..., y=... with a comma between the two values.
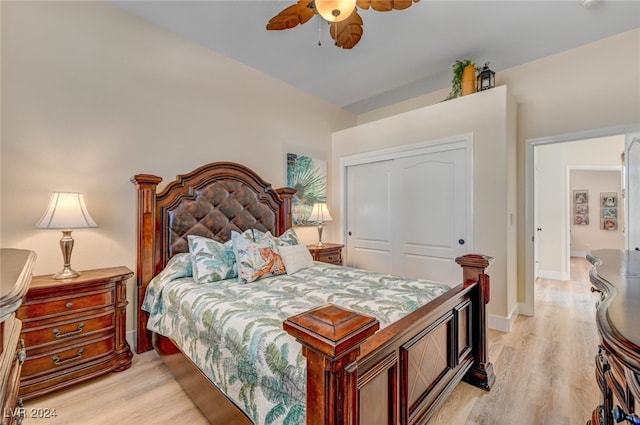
x=581, y=207
x=308, y=176
x=609, y=210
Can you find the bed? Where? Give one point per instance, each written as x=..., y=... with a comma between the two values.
x=354, y=365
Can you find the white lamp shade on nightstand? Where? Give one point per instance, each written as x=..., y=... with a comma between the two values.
x=320, y=214
x=66, y=211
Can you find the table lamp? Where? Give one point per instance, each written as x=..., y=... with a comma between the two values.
x=66, y=211
x=320, y=214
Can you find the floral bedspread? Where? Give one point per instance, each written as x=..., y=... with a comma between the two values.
x=233, y=331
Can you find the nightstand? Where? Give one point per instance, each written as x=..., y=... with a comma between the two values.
x=74, y=329
x=328, y=253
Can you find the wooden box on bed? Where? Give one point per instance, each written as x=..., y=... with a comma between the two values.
x=400, y=373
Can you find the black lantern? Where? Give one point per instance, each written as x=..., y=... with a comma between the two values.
x=486, y=78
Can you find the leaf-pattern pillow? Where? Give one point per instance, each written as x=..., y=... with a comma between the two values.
x=211, y=260
x=289, y=237
x=256, y=259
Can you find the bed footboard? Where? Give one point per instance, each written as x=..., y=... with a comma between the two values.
x=398, y=375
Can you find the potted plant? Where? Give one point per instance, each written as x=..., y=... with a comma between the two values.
x=457, y=82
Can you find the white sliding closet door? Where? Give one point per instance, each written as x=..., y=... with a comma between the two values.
x=369, y=217
x=410, y=215
x=431, y=211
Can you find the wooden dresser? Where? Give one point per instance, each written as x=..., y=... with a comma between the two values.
x=616, y=276
x=328, y=253
x=15, y=275
x=74, y=329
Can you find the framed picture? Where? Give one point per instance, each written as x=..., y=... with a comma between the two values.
x=608, y=199
x=581, y=206
x=309, y=177
x=609, y=210
x=582, y=209
x=581, y=196
x=581, y=219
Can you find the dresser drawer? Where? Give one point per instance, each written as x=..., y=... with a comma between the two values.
x=46, y=307
x=61, y=331
x=66, y=357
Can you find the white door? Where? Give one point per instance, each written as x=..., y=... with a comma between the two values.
x=410, y=215
x=369, y=216
x=632, y=191
x=431, y=215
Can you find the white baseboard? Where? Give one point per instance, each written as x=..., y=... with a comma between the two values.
x=503, y=324
x=555, y=275
x=131, y=339
x=581, y=254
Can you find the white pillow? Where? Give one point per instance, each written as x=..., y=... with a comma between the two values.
x=295, y=257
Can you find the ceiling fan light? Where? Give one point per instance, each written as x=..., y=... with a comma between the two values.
x=335, y=10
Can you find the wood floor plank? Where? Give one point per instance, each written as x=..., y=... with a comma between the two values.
x=544, y=375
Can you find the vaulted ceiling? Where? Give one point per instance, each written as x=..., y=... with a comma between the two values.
x=403, y=53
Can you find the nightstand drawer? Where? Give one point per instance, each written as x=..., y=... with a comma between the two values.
x=66, y=330
x=327, y=253
x=42, y=308
x=333, y=257
x=66, y=357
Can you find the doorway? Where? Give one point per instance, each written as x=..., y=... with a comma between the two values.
x=532, y=234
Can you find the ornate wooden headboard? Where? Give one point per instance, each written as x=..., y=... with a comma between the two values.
x=210, y=201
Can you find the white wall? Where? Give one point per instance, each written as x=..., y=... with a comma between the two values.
x=92, y=95
x=587, y=237
x=590, y=87
x=553, y=162
x=490, y=117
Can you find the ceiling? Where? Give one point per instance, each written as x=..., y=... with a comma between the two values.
x=403, y=53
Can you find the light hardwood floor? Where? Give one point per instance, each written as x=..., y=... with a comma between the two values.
x=544, y=369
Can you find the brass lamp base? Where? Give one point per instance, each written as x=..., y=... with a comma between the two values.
x=66, y=245
x=66, y=273
x=320, y=235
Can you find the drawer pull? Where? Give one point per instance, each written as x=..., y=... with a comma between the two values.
x=58, y=362
x=69, y=304
x=21, y=355
x=619, y=415
x=57, y=333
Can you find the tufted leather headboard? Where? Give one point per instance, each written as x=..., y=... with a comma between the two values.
x=210, y=201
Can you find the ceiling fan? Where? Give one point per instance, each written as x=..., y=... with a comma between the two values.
x=342, y=15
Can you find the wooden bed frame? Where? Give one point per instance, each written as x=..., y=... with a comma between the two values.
x=356, y=374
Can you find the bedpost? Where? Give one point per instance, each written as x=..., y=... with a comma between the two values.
x=331, y=337
x=285, y=218
x=145, y=264
x=473, y=270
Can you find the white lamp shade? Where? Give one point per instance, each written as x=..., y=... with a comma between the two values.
x=335, y=10
x=320, y=213
x=66, y=211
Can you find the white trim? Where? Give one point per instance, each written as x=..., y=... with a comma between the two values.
x=529, y=231
x=554, y=274
x=130, y=336
x=503, y=324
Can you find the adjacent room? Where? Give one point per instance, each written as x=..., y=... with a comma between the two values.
x=359, y=211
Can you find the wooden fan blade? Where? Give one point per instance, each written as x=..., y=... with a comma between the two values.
x=385, y=5
x=348, y=32
x=292, y=16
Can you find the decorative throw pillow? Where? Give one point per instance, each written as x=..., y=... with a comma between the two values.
x=211, y=260
x=289, y=237
x=256, y=259
x=295, y=257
